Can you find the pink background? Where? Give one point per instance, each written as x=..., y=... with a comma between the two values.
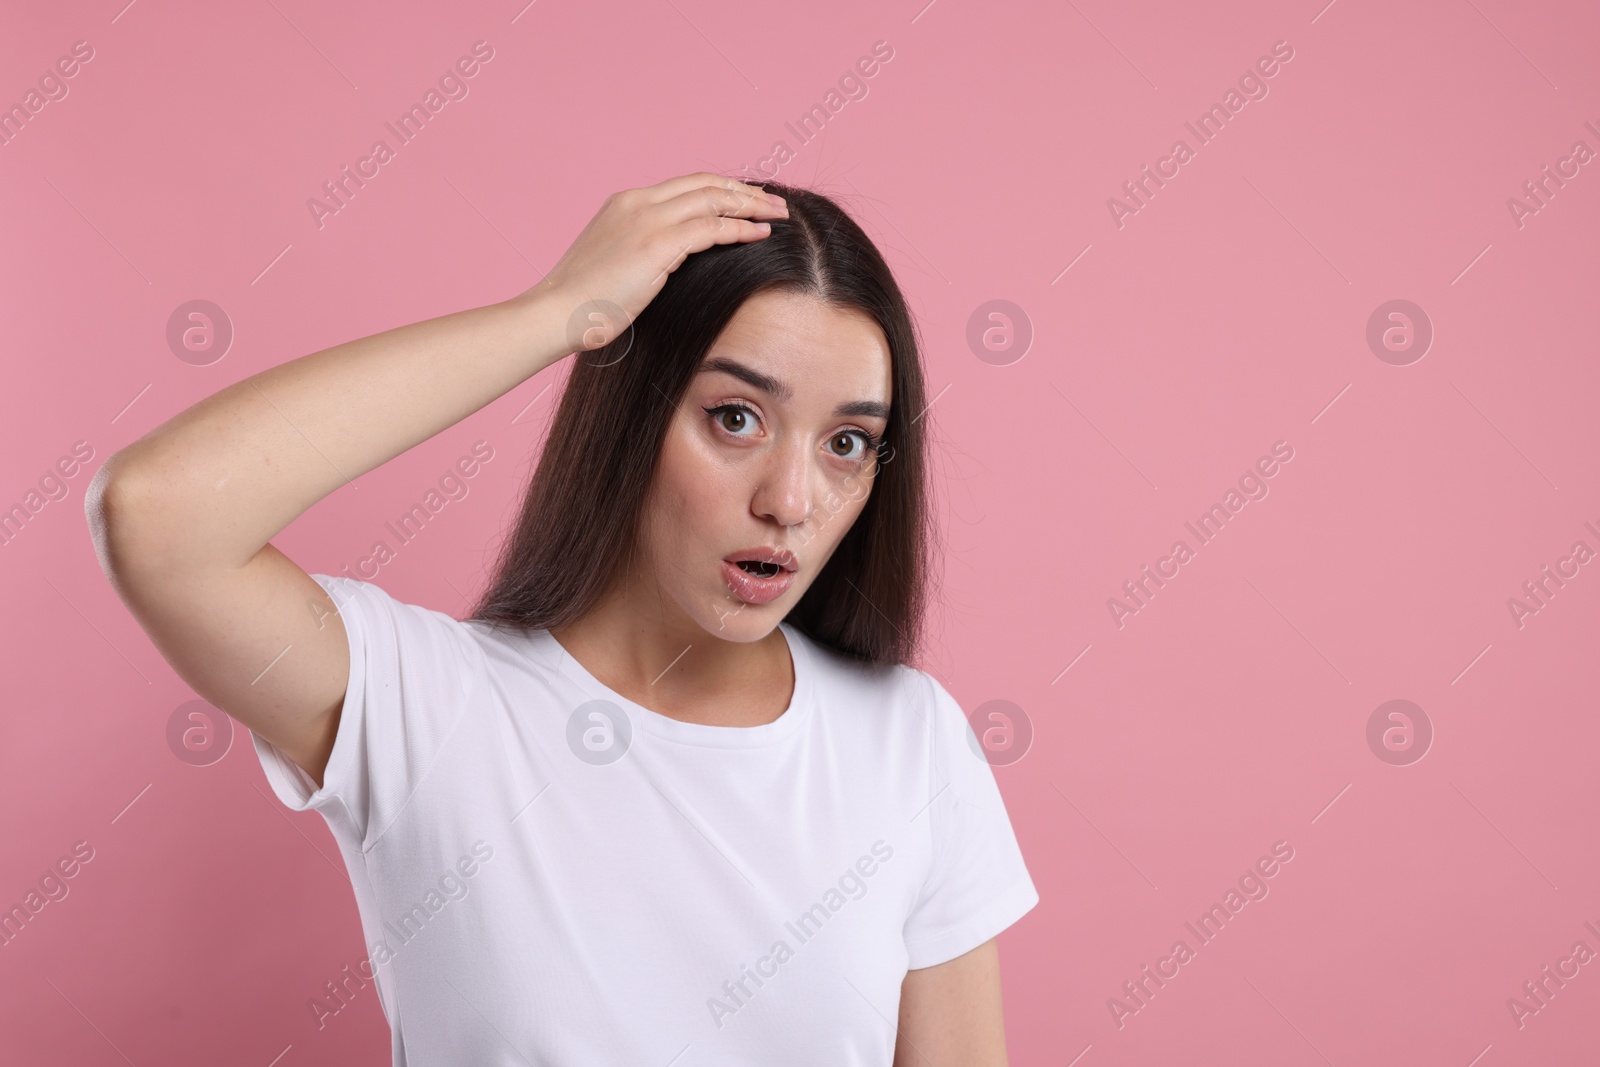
x=1228, y=313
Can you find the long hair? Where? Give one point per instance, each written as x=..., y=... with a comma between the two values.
x=581, y=516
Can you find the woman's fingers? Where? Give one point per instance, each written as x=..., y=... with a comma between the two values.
x=714, y=211
x=709, y=201
x=701, y=230
x=640, y=236
x=697, y=235
x=675, y=187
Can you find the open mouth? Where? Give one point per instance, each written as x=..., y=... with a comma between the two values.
x=757, y=581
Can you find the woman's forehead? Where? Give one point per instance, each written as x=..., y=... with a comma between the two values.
x=796, y=348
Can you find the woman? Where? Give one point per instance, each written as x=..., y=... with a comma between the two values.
x=671, y=794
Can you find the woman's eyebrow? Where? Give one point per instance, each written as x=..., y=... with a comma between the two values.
x=778, y=390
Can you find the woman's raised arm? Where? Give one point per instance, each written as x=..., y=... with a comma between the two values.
x=182, y=517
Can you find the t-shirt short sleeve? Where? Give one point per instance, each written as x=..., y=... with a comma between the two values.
x=411, y=673
x=978, y=883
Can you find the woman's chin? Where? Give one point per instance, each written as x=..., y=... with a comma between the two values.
x=745, y=623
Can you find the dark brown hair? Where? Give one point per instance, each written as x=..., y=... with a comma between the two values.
x=581, y=515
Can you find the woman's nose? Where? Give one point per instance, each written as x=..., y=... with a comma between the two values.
x=784, y=492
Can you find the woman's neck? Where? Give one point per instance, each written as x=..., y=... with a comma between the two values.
x=674, y=667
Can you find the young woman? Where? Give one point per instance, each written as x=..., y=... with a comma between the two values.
x=672, y=793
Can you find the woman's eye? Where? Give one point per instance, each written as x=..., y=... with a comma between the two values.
x=846, y=437
x=734, y=418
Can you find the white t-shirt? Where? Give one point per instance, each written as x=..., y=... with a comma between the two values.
x=549, y=873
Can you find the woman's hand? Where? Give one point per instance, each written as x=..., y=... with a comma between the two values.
x=622, y=258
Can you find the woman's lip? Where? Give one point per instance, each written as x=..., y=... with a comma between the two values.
x=752, y=590
x=783, y=557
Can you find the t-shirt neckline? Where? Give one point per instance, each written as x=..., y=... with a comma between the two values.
x=693, y=733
